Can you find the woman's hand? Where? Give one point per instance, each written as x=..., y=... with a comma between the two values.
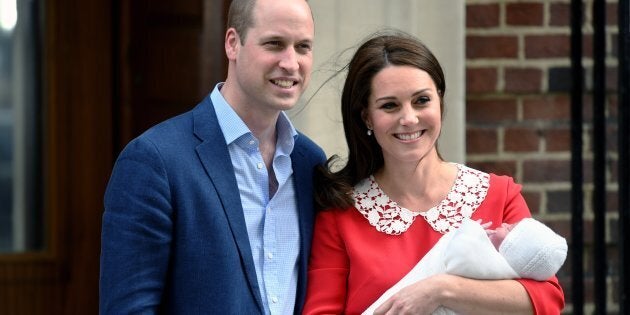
x=461, y=295
x=422, y=297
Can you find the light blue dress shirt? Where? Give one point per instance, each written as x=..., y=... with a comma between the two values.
x=272, y=223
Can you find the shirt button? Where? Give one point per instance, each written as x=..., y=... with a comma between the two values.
x=270, y=255
x=259, y=165
x=251, y=142
x=274, y=299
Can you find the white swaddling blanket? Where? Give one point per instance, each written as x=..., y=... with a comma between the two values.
x=466, y=251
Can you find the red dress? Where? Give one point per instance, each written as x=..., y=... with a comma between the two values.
x=353, y=263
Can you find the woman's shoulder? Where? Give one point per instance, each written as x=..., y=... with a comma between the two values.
x=504, y=183
x=339, y=219
x=495, y=180
x=336, y=212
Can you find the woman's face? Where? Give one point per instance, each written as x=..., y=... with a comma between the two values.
x=404, y=113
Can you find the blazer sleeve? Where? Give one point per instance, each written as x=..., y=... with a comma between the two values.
x=328, y=268
x=136, y=232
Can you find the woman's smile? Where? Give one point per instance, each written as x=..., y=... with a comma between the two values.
x=409, y=136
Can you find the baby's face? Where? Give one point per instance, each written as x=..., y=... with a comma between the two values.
x=498, y=235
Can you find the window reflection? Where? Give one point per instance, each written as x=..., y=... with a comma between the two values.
x=20, y=126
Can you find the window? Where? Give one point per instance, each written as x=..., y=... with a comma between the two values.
x=20, y=126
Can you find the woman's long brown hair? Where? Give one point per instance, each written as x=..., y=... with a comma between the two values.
x=333, y=188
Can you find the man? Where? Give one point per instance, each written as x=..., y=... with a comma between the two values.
x=211, y=211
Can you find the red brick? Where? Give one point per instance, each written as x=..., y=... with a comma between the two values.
x=478, y=47
x=559, y=201
x=587, y=46
x=497, y=167
x=612, y=142
x=533, y=199
x=558, y=140
x=480, y=80
x=613, y=226
x=613, y=253
x=524, y=14
x=587, y=227
x=521, y=140
x=565, y=279
x=481, y=141
x=482, y=15
x=522, y=80
x=611, y=78
x=616, y=286
x=589, y=281
x=613, y=107
x=546, y=171
x=551, y=107
x=559, y=79
x=612, y=201
x=560, y=14
x=547, y=46
x=587, y=109
x=587, y=170
x=612, y=14
x=561, y=226
x=490, y=111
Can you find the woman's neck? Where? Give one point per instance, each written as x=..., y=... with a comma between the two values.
x=418, y=186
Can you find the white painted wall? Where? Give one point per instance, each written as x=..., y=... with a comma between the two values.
x=343, y=24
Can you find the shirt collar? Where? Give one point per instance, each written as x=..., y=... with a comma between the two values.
x=233, y=127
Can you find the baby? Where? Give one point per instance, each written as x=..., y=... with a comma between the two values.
x=527, y=249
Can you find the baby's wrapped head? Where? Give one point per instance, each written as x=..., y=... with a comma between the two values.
x=533, y=250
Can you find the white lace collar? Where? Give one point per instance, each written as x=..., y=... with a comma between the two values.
x=468, y=192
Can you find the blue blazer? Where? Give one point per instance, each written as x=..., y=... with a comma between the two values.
x=174, y=238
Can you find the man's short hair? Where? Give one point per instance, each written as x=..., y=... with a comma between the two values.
x=241, y=17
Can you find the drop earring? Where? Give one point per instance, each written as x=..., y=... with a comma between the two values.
x=369, y=132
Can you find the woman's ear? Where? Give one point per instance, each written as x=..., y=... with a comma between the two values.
x=366, y=119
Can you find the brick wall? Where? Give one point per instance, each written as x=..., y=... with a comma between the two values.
x=518, y=112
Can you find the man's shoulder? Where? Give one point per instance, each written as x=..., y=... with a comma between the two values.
x=307, y=147
x=173, y=133
x=176, y=127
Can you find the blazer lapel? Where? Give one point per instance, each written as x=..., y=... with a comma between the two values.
x=303, y=174
x=215, y=158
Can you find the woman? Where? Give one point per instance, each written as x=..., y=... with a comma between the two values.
x=395, y=198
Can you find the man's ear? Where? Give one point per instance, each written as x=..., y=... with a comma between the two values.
x=232, y=43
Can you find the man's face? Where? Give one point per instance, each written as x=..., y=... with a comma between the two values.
x=273, y=64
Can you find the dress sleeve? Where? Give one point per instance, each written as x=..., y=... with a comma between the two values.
x=515, y=208
x=547, y=296
x=328, y=268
